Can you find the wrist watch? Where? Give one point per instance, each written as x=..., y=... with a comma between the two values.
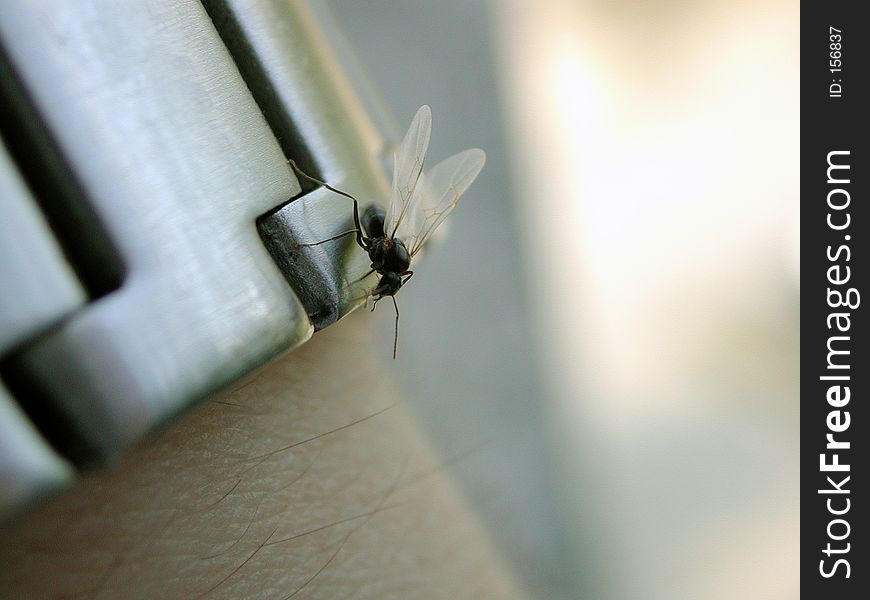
x=150, y=225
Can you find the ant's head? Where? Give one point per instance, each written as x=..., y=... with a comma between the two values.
x=388, y=285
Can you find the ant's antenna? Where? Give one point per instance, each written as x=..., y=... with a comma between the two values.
x=396, y=333
x=396, y=330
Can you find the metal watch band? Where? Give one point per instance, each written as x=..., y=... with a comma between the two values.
x=150, y=221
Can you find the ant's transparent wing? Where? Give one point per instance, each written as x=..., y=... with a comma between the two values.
x=407, y=169
x=441, y=189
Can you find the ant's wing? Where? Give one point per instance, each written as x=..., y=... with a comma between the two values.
x=441, y=190
x=407, y=168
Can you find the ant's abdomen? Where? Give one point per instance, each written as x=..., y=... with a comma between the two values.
x=373, y=221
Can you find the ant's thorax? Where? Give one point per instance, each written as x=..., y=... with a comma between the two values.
x=389, y=255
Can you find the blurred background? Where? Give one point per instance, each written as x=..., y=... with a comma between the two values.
x=605, y=348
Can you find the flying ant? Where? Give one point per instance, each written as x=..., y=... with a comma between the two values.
x=419, y=203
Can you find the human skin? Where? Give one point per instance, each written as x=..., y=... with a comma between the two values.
x=308, y=480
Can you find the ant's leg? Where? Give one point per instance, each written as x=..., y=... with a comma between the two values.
x=361, y=278
x=356, y=221
x=367, y=293
x=335, y=237
x=396, y=331
x=409, y=275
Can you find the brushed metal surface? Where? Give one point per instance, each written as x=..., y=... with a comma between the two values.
x=28, y=466
x=150, y=112
x=37, y=286
x=306, y=95
x=37, y=289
